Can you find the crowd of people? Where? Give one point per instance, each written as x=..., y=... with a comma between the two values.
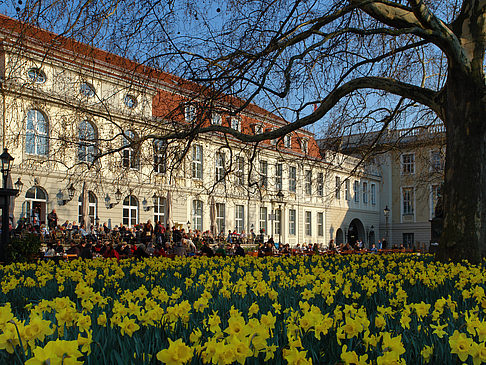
x=146, y=240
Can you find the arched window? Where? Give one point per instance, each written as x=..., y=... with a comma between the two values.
x=130, y=211
x=129, y=154
x=35, y=205
x=93, y=207
x=36, y=133
x=87, y=142
x=159, y=209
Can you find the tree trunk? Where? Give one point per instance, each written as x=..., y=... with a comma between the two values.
x=464, y=193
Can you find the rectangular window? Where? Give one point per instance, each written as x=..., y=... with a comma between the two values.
x=264, y=174
x=408, y=163
x=434, y=196
x=216, y=119
x=347, y=195
x=365, y=192
x=221, y=217
x=278, y=176
x=235, y=124
x=292, y=179
x=292, y=221
x=288, y=141
x=320, y=184
x=160, y=156
x=190, y=113
x=320, y=224
x=159, y=209
x=220, y=166
x=240, y=218
x=407, y=201
x=278, y=220
x=356, y=191
x=436, y=161
x=308, y=182
x=197, y=162
x=338, y=187
x=197, y=214
x=373, y=194
x=263, y=219
x=304, y=145
x=408, y=239
x=240, y=171
x=308, y=223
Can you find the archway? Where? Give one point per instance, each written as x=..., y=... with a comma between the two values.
x=339, y=236
x=356, y=231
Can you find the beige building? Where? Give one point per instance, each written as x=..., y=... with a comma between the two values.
x=79, y=119
x=410, y=163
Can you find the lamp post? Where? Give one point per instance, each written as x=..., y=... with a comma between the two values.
x=386, y=212
x=280, y=197
x=5, y=195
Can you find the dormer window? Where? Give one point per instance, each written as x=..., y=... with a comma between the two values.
x=130, y=101
x=36, y=75
x=304, y=145
x=190, y=113
x=216, y=119
x=258, y=128
x=236, y=124
x=87, y=90
x=288, y=141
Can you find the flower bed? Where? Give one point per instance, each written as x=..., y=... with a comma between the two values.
x=354, y=309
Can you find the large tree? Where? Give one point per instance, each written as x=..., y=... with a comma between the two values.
x=346, y=64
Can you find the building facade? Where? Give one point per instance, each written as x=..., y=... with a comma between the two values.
x=88, y=128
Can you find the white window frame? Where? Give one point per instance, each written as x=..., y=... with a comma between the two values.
x=288, y=141
x=92, y=208
x=39, y=136
x=436, y=166
x=407, y=167
x=320, y=224
x=264, y=174
x=216, y=118
x=190, y=113
x=220, y=168
x=320, y=184
x=240, y=170
x=308, y=223
x=239, y=218
x=197, y=214
x=87, y=141
x=292, y=179
x=159, y=209
x=365, y=192
x=373, y=194
x=304, y=145
x=410, y=210
x=197, y=162
x=278, y=221
x=292, y=221
x=263, y=219
x=236, y=123
x=308, y=182
x=338, y=188
x=129, y=154
x=356, y=191
x=279, y=176
x=221, y=217
x=131, y=217
x=160, y=155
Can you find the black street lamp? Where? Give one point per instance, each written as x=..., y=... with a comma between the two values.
x=386, y=212
x=6, y=162
x=5, y=195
